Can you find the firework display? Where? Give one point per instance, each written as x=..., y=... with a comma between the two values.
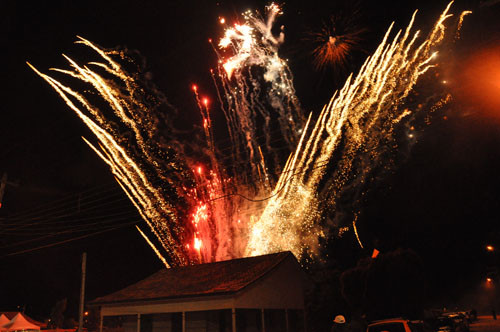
x=278, y=185
x=357, y=122
x=334, y=42
x=256, y=89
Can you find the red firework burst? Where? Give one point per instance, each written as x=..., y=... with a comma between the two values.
x=335, y=42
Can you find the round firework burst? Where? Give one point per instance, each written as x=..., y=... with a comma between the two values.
x=335, y=41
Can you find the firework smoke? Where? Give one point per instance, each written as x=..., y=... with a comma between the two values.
x=257, y=95
x=357, y=123
x=209, y=221
x=248, y=201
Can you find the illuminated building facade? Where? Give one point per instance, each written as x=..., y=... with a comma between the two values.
x=254, y=294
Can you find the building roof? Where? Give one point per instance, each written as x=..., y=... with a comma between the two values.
x=19, y=323
x=12, y=314
x=3, y=320
x=217, y=278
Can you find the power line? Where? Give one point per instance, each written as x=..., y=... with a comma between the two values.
x=273, y=195
x=86, y=227
x=64, y=224
x=60, y=242
x=63, y=232
x=53, y=218
x=65, y=200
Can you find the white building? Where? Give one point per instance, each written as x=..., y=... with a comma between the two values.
x=254, y=294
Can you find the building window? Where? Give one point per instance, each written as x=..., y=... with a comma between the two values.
x=248, y=320
x=146, y=323
x=275, y=320
x=124, y=323
x=295, y=321
x=208, y=321
x=168, y=322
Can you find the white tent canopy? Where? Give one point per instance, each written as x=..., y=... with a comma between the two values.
x=18, y=323
x=3, y=320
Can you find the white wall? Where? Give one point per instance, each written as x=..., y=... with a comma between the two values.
x=282, y=288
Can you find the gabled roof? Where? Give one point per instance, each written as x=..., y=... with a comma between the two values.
x=12, y=314
x=217, y=278
x=18, y=323
x=9, y=314
x=3, y=320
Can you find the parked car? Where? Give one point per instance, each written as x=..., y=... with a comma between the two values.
x=460, y=319
x=473, y=315
x=397, y=325
x=442, y=324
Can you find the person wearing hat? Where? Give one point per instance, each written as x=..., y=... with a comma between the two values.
x=339, y=324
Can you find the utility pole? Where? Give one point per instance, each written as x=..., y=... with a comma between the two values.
x=82, y=292
x=3, y=182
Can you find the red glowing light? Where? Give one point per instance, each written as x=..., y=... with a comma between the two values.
x=200, y=170
x=205, y=101
x=222, y=20
x=194, y=87
x=210, y=40
x=197, y=244
x=479, y=77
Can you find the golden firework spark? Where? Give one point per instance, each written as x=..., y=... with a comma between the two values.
x=355, y=124
x=158, y=213
x=362, y=115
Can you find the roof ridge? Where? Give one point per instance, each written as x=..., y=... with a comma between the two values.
x=227, y=276
x=229, y=260
x=285, y=255
x=210, y=264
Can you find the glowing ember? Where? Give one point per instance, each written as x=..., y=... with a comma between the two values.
x=335, y=41
x=363, y=114
x=245, y=200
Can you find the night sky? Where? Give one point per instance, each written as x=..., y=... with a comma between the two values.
x=441, y=200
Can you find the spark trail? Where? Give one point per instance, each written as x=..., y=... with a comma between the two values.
x=215, y=209
x=151, y=178
x=355, y=125
x=256, y=93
